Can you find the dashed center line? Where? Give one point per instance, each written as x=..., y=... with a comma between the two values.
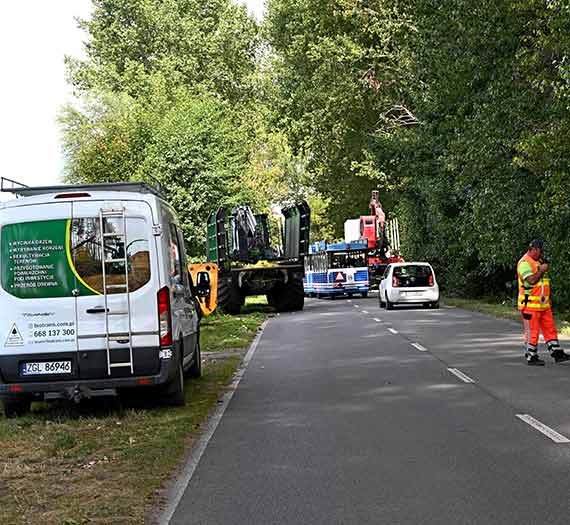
x=377, y=320
x=419, y=347
x=355, y=306
x=392, y=330
x=541, y=427
x=365, y=311
x=458, y=373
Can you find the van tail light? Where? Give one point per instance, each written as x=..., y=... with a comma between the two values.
x=430, y=280
x=395, y=282
x=164, y=317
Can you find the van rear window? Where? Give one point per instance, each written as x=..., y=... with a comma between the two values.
x=49, y=259
x=88, y=253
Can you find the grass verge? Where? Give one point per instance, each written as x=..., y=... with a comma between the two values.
x=504, y=310
x=221, y=332
x=104, y=463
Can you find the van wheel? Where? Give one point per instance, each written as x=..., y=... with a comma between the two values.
x=174, y=389
x=16, y=406
x=389, y=305
x=195, y=369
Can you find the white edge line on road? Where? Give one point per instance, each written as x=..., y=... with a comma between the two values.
x=196, y=454
x=377, y=320
x=392, y=330
x=365, y=312
x=458, y=373
x=541, y=427
x=419, y=347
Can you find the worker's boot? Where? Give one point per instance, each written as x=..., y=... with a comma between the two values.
x=532, y=359
x=559, y=356
x=556, y=352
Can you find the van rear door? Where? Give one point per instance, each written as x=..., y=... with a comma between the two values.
x=114, y=323
x=38, y=323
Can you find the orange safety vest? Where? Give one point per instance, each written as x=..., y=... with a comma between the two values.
x=533, y=297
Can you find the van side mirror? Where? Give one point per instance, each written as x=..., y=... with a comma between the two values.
x=203, y=284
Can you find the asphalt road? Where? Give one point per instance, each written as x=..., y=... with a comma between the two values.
x=339, y=418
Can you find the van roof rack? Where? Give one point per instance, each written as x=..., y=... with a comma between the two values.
x=21, y=190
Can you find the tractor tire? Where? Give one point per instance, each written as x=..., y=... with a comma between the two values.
x=289, y=297
x=230, y=299
x=270, y=298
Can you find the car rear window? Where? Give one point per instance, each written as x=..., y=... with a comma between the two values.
x=413, y=275
x=54, y=258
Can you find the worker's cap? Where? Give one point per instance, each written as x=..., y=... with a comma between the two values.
x=537, y=243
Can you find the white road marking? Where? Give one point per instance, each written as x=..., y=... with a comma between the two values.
x=377, y=320
x=541, y=427
x=356, y=306
x=419, y=347
x=365, y=311
x=349, y=301
x=185, y=477
x=392, y=330
x=458, y=373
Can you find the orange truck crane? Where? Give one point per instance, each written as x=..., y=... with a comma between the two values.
x=382, y=236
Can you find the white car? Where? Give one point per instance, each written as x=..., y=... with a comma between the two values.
x=408, y=283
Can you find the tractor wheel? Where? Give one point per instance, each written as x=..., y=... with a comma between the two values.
x=270, y=298
x=289, y=297
x=229, y=297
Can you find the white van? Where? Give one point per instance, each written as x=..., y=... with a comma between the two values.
x=95, y=295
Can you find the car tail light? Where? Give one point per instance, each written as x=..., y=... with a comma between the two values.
x=395, y=282
x=430, y=280
x=164, y=317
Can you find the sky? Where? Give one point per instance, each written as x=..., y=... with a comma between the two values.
x=35, y=36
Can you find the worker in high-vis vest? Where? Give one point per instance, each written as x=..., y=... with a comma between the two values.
x=535, y=305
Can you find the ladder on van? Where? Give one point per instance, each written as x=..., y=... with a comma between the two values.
x=126, y=313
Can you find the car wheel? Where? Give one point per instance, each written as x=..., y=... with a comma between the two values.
x=435, y=305
x=381, y=303
x=364, y=295
x=16, y=406
x=389, y=305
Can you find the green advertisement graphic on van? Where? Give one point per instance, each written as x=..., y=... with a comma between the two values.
x=36, y=261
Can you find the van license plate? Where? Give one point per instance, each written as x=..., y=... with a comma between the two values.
x=45, y=368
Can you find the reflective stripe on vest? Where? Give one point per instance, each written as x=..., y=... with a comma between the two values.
x=533, y=296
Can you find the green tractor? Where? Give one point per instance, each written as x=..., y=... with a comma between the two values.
x=239, y=243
